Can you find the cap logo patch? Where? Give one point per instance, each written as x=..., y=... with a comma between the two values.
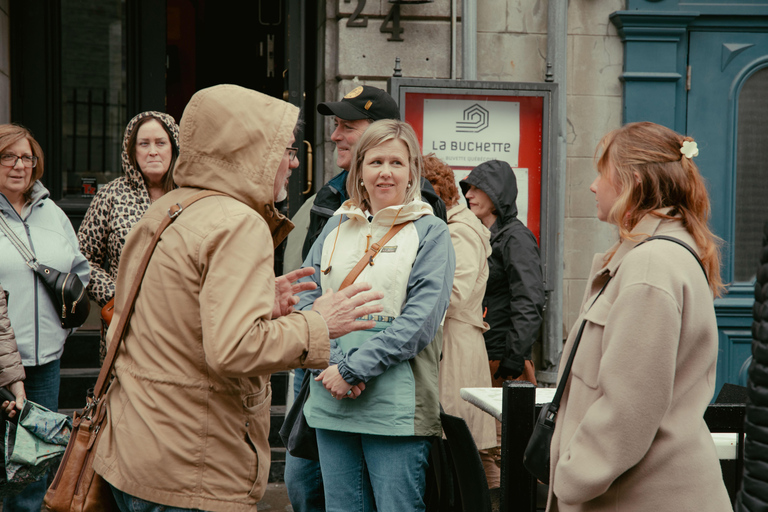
x=354, y=93
x=368, y=104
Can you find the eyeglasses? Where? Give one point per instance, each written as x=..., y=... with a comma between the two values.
x=9, y=160
x=292, y=153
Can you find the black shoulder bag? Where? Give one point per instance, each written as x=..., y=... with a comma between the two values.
x=536, y=456
x=65, y=288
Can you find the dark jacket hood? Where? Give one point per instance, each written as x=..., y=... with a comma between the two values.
x=497, y=179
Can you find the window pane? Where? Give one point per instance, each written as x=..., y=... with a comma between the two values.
x=751, y=179
x=93, y=89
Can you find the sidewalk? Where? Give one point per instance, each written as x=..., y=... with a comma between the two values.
x=275, y=498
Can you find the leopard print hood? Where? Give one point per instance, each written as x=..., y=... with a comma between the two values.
x=234, y=140
x=131, y=173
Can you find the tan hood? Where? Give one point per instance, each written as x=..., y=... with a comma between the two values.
x=233, y=141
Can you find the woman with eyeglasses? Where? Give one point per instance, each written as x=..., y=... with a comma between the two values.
x=27, y=209
x=150, y=149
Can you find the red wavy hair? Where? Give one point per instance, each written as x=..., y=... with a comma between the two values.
x=652, y=173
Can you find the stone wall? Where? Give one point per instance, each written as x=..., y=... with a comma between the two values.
x=511, y=46
x=5, y=64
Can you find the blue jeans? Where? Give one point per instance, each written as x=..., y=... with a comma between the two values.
x=364, y=472
x=42, y=387
x=128, y=503
x=303, y=478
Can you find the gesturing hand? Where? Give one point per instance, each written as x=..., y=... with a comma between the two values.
x=286, y=289
x=341, y=310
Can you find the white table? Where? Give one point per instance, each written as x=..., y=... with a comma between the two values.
x=489, y=400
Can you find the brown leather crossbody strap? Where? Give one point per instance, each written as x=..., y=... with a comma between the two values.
x=109, y=361
x=367, y=258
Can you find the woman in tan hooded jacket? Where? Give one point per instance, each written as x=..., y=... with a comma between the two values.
x=630, y=434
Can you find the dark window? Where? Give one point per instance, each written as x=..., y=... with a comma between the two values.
x=751, y=182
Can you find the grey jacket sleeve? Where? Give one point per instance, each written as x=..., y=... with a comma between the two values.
x=11, y=369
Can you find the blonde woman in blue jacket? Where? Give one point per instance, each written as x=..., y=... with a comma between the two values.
x=377, y=404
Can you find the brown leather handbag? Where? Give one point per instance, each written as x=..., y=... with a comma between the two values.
x=76, y=486
x=107, y=311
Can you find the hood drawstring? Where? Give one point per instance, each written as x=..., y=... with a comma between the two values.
x=367, y=242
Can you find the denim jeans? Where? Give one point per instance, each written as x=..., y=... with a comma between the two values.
x=303, y=478
x=364, y=472
x=128, y=503
x=42, y=387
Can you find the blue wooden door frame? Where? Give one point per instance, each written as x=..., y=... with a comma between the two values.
x=657, y=36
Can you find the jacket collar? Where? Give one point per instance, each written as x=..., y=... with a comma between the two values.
x=647, y=227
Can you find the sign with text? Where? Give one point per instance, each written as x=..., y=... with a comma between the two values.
x=469, y=132
x=467, y=129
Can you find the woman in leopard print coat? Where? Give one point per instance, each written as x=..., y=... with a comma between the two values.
x=148, y=174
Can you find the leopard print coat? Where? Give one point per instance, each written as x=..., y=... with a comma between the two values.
x=113, y=212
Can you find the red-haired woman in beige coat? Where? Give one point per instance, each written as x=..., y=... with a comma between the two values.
x=630, y=434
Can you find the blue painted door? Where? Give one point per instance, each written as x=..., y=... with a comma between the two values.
x=723, y=68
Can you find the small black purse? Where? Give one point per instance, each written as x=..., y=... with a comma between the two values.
x=536, y=456
x=298, y=437
x=65, y=288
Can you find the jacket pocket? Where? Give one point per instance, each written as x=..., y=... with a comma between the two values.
x=586, y=364
x=256, y=408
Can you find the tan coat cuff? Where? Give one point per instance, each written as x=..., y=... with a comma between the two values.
x=319, y=351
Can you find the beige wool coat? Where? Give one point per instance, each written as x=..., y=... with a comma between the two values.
x=465, y=360
x=630, y=434
x=188, y=412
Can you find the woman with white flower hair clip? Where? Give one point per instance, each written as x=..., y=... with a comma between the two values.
x=630, y=433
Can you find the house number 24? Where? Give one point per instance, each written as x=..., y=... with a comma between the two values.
x=390, y=25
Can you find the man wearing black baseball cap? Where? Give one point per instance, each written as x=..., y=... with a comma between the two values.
x=357, y=109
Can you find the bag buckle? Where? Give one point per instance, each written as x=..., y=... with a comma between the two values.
x=175, y=210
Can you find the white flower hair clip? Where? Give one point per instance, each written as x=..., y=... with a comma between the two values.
x=690, y=149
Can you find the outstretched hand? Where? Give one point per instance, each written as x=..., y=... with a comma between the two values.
x=286, y=289
x=341, y=310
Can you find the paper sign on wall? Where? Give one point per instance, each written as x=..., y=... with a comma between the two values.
x=465, y=133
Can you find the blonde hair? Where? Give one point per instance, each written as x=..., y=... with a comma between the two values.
x=652, y=173
x=376, y=134
x=10, y=134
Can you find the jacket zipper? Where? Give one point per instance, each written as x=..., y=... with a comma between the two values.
x=37, y=305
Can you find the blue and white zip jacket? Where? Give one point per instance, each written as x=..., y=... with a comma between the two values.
x=46, y=230
x=398, y=360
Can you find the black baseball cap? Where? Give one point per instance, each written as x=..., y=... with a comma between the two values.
x=363, y=102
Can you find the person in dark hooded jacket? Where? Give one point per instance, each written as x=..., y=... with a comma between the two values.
x=514, y=297
x=754, y=486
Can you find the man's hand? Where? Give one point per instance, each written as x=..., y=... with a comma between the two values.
x=341, y=310
x=339, y=388
x=286, y=289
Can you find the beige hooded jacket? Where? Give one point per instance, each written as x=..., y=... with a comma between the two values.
x=465, y=360
x=188, y=413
